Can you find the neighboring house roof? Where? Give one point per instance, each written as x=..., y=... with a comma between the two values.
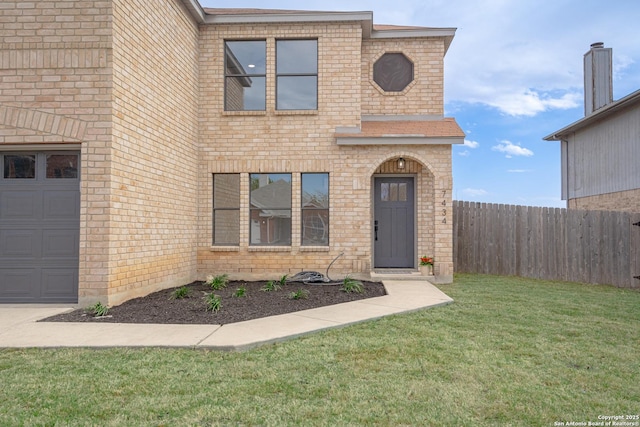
x=274, y=195
x=443, y=130
x=596, y=116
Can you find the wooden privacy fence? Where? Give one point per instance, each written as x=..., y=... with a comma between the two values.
x=547, y=243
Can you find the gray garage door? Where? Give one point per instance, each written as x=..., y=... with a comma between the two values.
x=39, y=227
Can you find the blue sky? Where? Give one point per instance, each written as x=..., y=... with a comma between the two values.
x=513, y=75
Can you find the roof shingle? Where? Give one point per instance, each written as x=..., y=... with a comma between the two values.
x=442, y=128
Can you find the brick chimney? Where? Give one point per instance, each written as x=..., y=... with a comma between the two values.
x=598, y=78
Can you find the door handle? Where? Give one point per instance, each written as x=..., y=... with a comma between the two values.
x=375, y=229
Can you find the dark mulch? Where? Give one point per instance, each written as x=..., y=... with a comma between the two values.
x=160, y=307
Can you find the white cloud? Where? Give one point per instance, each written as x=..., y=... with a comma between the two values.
x=474, y=192
x=465, y=153
x=510, y=149
x=471, y=144
x=529, y=103
x=519, y=170
x=522, y=69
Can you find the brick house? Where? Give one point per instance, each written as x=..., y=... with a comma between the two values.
x=146, y=144
x=600, y=153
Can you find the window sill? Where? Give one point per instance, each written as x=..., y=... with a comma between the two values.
x=296, y=112
x=314, y=248
x=224, y=249
x=245, y=113
x=269, y=248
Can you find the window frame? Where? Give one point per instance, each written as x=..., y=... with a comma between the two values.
x=304, y=209
x=299, y=74
x=245, y=75
x=215, y=209
x=388, y=86
x=284, y=243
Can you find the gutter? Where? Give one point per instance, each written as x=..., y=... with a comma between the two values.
x=599, y=114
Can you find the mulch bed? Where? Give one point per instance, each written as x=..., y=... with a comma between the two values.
x=161, y=308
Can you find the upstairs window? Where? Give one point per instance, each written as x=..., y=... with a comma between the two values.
x=245, y=75
x=297, y=74
x=393, y=72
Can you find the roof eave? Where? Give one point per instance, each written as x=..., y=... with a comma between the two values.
x=399, y=140
x=595, y=116
x=195, y=9
x=447, y=33
x=262, y=18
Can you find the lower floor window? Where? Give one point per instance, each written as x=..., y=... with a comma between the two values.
x=270, y=209
x=315, y=209
x=226, y=209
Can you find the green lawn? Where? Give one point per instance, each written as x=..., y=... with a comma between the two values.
x=509, y=351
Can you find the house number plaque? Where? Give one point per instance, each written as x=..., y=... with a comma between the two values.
x=444, y=203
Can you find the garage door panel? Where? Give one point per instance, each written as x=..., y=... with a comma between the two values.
x=61, y=204
x=20, y=243
x=60, y=243
x=19, y=205
x=17, y=284
x=39, y=228
x=58, y=284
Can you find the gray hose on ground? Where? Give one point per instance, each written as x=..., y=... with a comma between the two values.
x=314, y=276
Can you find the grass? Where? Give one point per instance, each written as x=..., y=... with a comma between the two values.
x=509, y=351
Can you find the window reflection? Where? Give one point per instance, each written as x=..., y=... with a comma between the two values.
x=245, y=75
x=20, y=166
x=62, y=166
x=315, y=209
x=297, y=74
x=270, y=209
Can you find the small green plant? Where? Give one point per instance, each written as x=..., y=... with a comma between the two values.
x=283, y=280
x=98, y=309
x=214, y=302
x=350, y=285
x=217, y=282
x=271, y=286
x=181, y=292
x=240, y=292
x=299, y=294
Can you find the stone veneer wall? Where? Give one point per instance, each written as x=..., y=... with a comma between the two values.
x=298, y=142
x=56, y=89
x=627, y=201
x=153, y=188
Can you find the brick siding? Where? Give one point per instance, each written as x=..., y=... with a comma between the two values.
x=138, y=87
x=627, y=201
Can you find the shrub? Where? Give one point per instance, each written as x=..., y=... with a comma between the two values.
x=271, y=285
x=218, y=282
x=240, y=292
x=283, y=280
x=98, y=309
x=181, y=292
x=214, y=302
x=352, y=285
x=299, y=294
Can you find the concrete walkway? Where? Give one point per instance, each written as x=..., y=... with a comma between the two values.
x=19, y=326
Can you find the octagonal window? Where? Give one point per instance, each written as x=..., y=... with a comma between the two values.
x=393, y=72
